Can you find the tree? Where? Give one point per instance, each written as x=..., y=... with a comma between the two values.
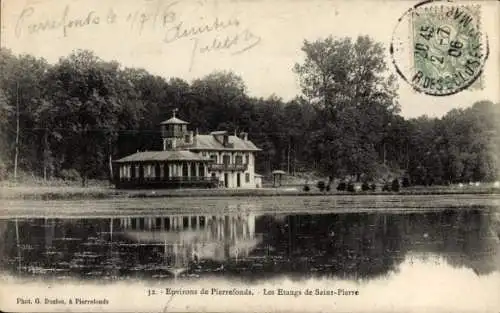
x=21, y=89
x=86, y=102
x=348, y=84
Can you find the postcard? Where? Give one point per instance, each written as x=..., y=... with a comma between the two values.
x=249, y=156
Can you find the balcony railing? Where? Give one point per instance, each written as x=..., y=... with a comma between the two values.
x=227, y=167
x=171, y=179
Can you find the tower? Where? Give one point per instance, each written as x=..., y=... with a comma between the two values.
x=174, y=132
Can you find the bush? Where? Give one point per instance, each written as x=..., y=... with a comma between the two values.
x=3, y=170
x=342, y=186
x=395, y=185
x=406, y=182
x=321, y=185
x=306, y=188
x=350, y=187
x=70, y=174
x=365, y=186
x=327, y=188
x=373, y=187
x=386, y=187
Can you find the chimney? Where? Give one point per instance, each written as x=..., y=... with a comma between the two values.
x=225, y=143
x=244, y=136
x=191, y=137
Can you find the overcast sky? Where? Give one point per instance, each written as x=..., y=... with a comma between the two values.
x=264, y=38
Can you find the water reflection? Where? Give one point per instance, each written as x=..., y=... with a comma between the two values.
x=245, y=245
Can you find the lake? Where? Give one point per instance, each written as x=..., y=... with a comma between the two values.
x=406, y=248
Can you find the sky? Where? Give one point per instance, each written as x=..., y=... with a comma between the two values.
x=260, y=40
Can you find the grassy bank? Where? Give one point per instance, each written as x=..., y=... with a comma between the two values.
x=102, y=190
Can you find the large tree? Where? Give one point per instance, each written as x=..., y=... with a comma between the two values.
x=355, y=98
x=86, y=104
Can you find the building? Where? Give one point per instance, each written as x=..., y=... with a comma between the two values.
x=190, y=159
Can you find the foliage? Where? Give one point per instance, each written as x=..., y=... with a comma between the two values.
x=406, y=182
x=350, y=187
x=365, y=186
x=321, y=185
x=347, y=84
x=342, y=186
x=395, y=185
x=70, y=174
x=306, y=188
x=83, y=111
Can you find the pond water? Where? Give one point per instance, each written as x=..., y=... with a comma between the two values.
x=247, y=245
x=415, y=255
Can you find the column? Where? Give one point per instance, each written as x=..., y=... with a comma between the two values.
x=220, y=229
x=162, y=173
x=251, y=226
x=197, y=222
x=189, y=222
x=197, y=169
x=244, y=226
x=189, y=168
x=111, y=228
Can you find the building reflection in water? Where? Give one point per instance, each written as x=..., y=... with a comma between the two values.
x=245, y=245
x=190, y=238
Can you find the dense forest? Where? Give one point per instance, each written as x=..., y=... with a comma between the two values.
x=77, y=115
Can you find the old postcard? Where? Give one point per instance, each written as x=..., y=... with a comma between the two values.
x=249, y=156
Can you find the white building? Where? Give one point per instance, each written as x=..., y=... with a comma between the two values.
x=190, y=159
x=232, y=156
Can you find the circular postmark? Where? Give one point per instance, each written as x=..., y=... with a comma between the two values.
x=438, y=47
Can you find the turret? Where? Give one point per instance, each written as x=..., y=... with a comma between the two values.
x=174, y=132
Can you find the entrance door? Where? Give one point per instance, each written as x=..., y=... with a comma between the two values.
x=238, y=180
x=226, y=180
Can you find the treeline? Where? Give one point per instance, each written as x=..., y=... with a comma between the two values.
x=75, y=116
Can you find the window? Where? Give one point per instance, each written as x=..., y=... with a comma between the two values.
x=149, y=171
x=239, y=159
x=247, y=177
x=213, y=157
x=247, y=158
x=226, y=159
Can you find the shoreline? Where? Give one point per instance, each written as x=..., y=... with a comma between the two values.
x=100, y=193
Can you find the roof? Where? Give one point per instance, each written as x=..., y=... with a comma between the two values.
x=173, y=120
x=208, y=142
x=174, y=155
x=280, y=172
x=218, y=132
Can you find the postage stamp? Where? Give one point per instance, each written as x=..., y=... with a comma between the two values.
x=445, y=47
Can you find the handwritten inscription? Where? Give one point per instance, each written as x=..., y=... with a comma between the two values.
x=64, y=23
x=203, y=35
